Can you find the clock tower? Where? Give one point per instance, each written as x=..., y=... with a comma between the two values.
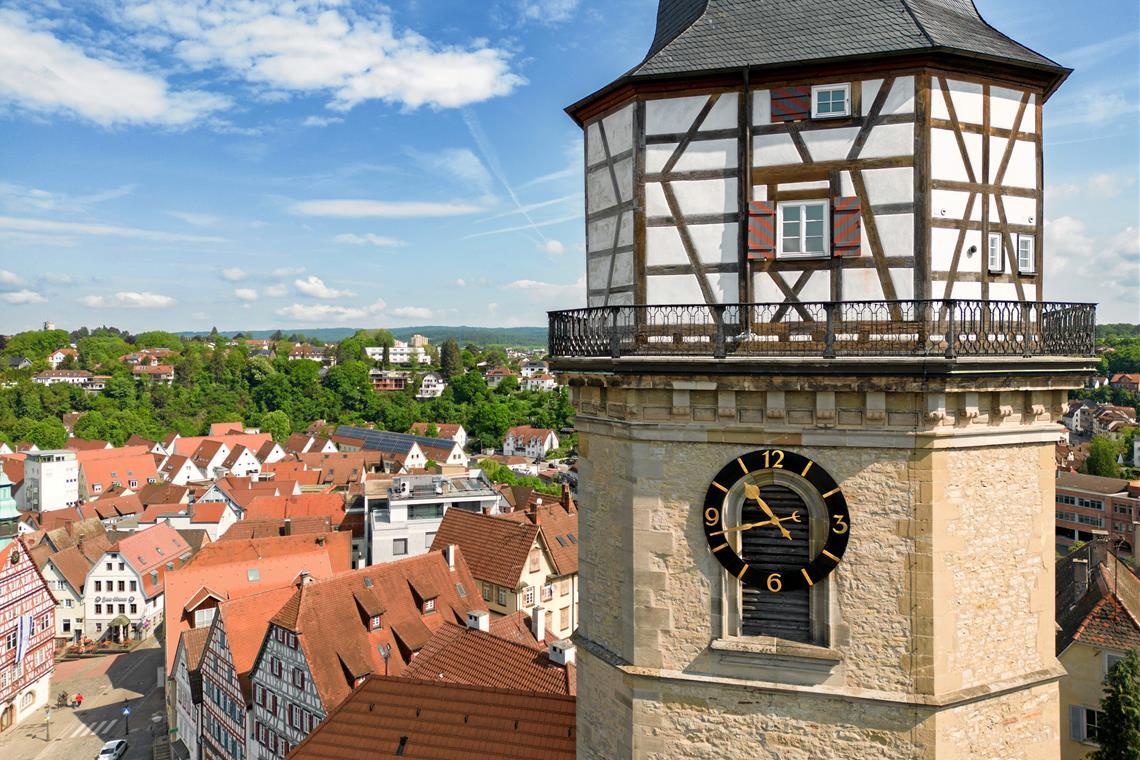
x=816, y=383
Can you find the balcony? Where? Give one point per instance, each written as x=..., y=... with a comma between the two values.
x=947, y=329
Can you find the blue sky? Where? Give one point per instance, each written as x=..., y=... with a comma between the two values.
x=252, y=164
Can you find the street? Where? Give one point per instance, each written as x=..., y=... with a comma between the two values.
x=104, y=682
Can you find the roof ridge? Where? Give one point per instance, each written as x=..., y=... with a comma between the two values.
x=917, y=23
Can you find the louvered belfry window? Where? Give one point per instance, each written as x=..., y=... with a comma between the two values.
x=785, y=615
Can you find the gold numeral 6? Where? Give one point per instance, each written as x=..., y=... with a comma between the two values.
x=774, y=582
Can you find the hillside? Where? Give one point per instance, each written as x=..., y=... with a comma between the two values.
x=529, y=337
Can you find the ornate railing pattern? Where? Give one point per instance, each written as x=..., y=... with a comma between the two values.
x=948, y=328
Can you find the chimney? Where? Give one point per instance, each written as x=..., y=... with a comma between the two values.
x=563, y=652
x=303, y=579
x=449, y=555
x=1080, y=578
x=538, y=623
x=288, y=529
x=567, y=500
x=479, y=620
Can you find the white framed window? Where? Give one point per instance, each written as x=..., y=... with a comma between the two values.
x=528, y=596
x=1084, y=724
x=829, y=101
x=502, y=599
x=1025, y=258
x=803, y=229
x=994, y=253
x=1110, y=659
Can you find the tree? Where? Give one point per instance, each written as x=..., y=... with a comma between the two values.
x=277, y=424
x=1102, y=458
x=450, y=360
x=1119, y=730
x=48, y=434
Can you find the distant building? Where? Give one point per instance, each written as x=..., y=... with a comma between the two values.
x=27, y=630
x=19, y=362
x=413, y=352
x=1087, y=504
x=156, y=373
x=432, y=385
x=388, y=380
x=321, y=354
x=539, y=382
x=450, y=431
x=534, y=367
x=1129, y=381
x=51, y=480
x=497, y=375
x=527, y=441
x=71, y=376
x=411, y=452
x=58, y=357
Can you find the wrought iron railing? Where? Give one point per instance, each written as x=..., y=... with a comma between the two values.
x=947, y=328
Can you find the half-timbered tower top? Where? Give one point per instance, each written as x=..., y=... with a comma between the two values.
x=708, y=37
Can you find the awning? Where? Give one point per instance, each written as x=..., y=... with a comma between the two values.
x=120, y=621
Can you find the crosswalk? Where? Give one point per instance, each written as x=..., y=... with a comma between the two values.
x=95, y=729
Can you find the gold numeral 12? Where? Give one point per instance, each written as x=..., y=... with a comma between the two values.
x=773, y=459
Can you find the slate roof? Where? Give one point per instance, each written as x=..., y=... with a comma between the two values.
x=496, y=550
x=712, y=35
x=456, y=654
x=445, y=722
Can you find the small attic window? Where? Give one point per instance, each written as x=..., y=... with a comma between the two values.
x=429, y=606
x=572, y=537
x=830, y=101
x=253, y=575
x=374, y=623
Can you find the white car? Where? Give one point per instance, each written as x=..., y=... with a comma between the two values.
x=113, y=750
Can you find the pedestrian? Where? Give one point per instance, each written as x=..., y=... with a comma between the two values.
x=78, y=701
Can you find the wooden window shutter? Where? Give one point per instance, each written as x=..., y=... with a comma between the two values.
x=791, y=103
x=761, y=230
x=846, y=233
x=1076, y=723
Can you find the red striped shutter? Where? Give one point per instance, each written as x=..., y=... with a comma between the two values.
x=761, y=230
x=791, y=103
x=846, y=235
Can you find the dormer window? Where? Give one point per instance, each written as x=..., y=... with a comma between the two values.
x=374, y=622
x=830, y=101
x=429, y=606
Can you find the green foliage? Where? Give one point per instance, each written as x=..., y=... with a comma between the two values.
x=36, y=344
x=158, y=339
x=1119, y=730
x=96, y=352
x=450, y=359
x=277, y=424
x=1102, y=458
x=498, y=473
x=47, y=434
x=1117, y=330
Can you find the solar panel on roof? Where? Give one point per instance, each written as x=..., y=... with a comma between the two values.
x=385, y=440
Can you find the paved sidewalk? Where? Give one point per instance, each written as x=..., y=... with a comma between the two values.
x=107, y=684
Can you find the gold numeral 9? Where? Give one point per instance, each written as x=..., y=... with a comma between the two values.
x=840, y=526
x=712, y=516
x=773, y=459
x=774, y=582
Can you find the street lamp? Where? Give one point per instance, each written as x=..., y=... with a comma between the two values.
x=47, y=725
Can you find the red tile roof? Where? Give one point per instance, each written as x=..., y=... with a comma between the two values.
x=457, y=654
x=559, y=533
x=444, y=722
x=329, y=505
x=225, y=428
x=333, y=632
x=187, y=446
x=342, y=469
x=247, y=528
x=496, y=549
x=446, y=429
x=108, y=466
x=246, y=619
x=86, y=444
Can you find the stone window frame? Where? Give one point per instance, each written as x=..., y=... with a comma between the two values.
x=823, y=602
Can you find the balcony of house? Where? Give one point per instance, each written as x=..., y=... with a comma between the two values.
x=921, y=329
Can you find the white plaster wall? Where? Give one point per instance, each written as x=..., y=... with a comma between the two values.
x=1003, y=291
x=599, y=190
x=946, y=158
x=762, y=107
x=900, y=99
x=594, y=151
x=598, y=269
x=715, y=243
x=870, y=91
x=830, y=144
x=942, y=250
x=683, y=288
x=619, y=130
x=600, y=233
x=723, y=114
x=1017, y=210
x=896, y=231
x=951, y=204
x=774, y=150
x=670, y=115
x=886, y=185
x=888, y=140
x=861, y=285
x=707, y=196
x=784, y=187
x=817, y=288
x=967, y=98
x=903, y=280
x=1003, y=107
x=700, y=154
x=1022, y=168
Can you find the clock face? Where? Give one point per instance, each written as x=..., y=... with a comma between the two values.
x=771, y=542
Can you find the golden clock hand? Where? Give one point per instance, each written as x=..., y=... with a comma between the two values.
x=745, y=526
x=773, y=519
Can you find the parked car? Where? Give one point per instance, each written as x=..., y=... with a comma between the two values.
x=113, y=750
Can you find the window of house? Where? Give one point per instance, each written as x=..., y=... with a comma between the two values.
x=299, y=677
x=564, y=587
x=275, y=666
x=803, y=228
x=1111, y=659
x=122, y=609
x=502, y=597
x=291, y=640
x=528, y=596
x=123, y=566
x=98, y=627
x=486, y=591
x=548, y=592
x=399, y=547
x=134, y=608
x=67, y=625
x=122, y=585
x=98, y=585
x=69, y=603
x=1084, y=724
x=564, y=618
x=534, y=560
x=10, y=642
x=134, y=585
x=995, y=258
x=1025, y=245
x=829, y=101
x=374, y=622
x=429, y=605
x=98, y=609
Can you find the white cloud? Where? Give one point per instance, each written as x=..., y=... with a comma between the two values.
x=460, y=283
x=234, y=274
x=323, y=312
x=538, y=290
x=26, y=199
x=245, y=294
x=22, y=297
x=1086, y=267
x=547, y=11
x=288, y=271
x=321, y=46
x=457, y=163
x=370, y=239
x=413, y=312
x=41, y=73
x=43, y=226
x=315, y=287
x=357, y=208
x=197, y=220
x=9, y=278
x=321, y=121
x=522, y=227
x=1109, y=185
x=276, y=291
x=553, y=247
x=128, y=300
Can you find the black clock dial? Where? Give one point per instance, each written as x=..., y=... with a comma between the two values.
x=767, y=519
